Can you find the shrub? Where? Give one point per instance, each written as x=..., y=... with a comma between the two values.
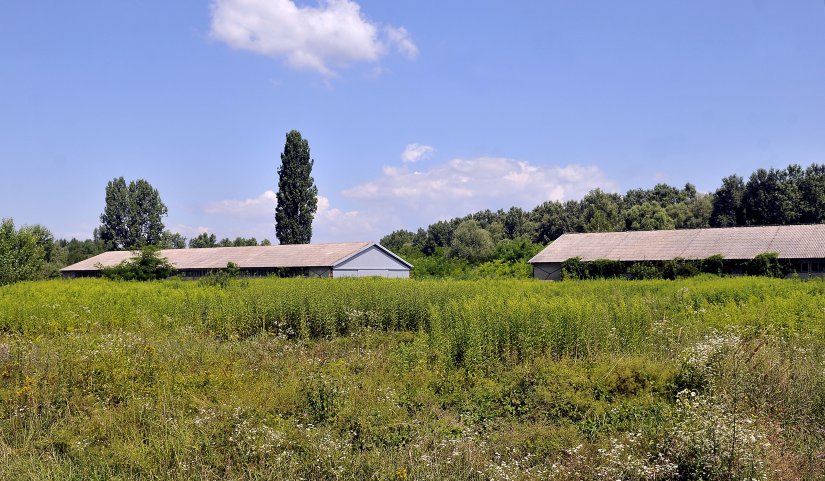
x=146, y=265
x=765, y=264
x=501, y=269
x=221, y=278
x=574, y=268
x=605, y=269
x=644, y=270
x=713, y=265
x=678, y=268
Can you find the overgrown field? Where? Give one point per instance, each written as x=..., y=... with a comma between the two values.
x=698, y=379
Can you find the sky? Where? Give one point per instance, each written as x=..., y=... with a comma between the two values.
x=415, y=110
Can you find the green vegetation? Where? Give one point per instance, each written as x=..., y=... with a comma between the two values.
x=210, y=240
x=767, y=264
x=702, y=378
x=133, y=215
x=27, y=253
x=778, y=197
x=146, y=265
x=297, y=193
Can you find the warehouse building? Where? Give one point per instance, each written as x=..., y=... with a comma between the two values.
x=353, y=259
x=801, y=245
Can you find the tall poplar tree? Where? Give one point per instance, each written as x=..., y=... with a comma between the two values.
x=297, y=193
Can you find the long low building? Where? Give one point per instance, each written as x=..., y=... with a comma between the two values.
x=353, y=259
x=802, y=244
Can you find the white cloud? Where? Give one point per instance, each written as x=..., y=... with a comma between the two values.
x=333, y=224
x=333, y=33
x=416, y=152
x=255, y=207
x=189, y=231
x=402, y=41
x=462, y=186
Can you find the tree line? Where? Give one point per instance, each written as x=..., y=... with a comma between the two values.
x=792, y=195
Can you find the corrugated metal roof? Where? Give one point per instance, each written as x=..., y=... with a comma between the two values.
x=251, y=257
x=789, y=241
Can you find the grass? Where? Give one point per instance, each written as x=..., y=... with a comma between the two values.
x=703, y=378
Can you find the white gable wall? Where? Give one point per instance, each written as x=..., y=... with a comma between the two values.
x=371, y=262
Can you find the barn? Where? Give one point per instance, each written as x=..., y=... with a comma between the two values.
x=802, y=245
x=352, y=259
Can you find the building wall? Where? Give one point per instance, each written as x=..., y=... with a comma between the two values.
x=395, y=274
x=372, y=262
x=547, y=271
x=810, y=268
x=372, y=258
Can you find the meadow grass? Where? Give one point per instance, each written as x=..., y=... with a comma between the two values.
x=704, y=378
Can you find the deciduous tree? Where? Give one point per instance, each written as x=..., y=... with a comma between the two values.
x=132, y=216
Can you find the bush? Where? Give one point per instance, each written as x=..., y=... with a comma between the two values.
x=679, y=268
x=644, y=270
x=766, y=264
x=605, y=269
x=574, y=268
x=146, y=265
x=501, y=269
x=714, y=264
x=221, y=278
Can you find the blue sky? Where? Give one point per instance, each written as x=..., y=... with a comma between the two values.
x=415, y=110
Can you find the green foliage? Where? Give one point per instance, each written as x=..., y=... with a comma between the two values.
x=515, y=250
x=203, y=240
x=133, y=215
x=437, y=265
x=471, y=243
x=727, y=203
x=76, y=250
x=170, y=240
x=146, y=265
x=714, y=264
x=222, y=277
x=398, y=379
x=23, y=252
x=501, y=269
x=766, y=264
x=644, y=270
x=602, y=211
x=648, y=216
x=678, y=268
x=605, y=269
x=790, y=195
x=297, y=193
x=396, y=240
x=574, y=268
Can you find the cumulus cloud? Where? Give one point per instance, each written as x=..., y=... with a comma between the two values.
x=333, y=33
x=461, y=186
x=416, y=152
